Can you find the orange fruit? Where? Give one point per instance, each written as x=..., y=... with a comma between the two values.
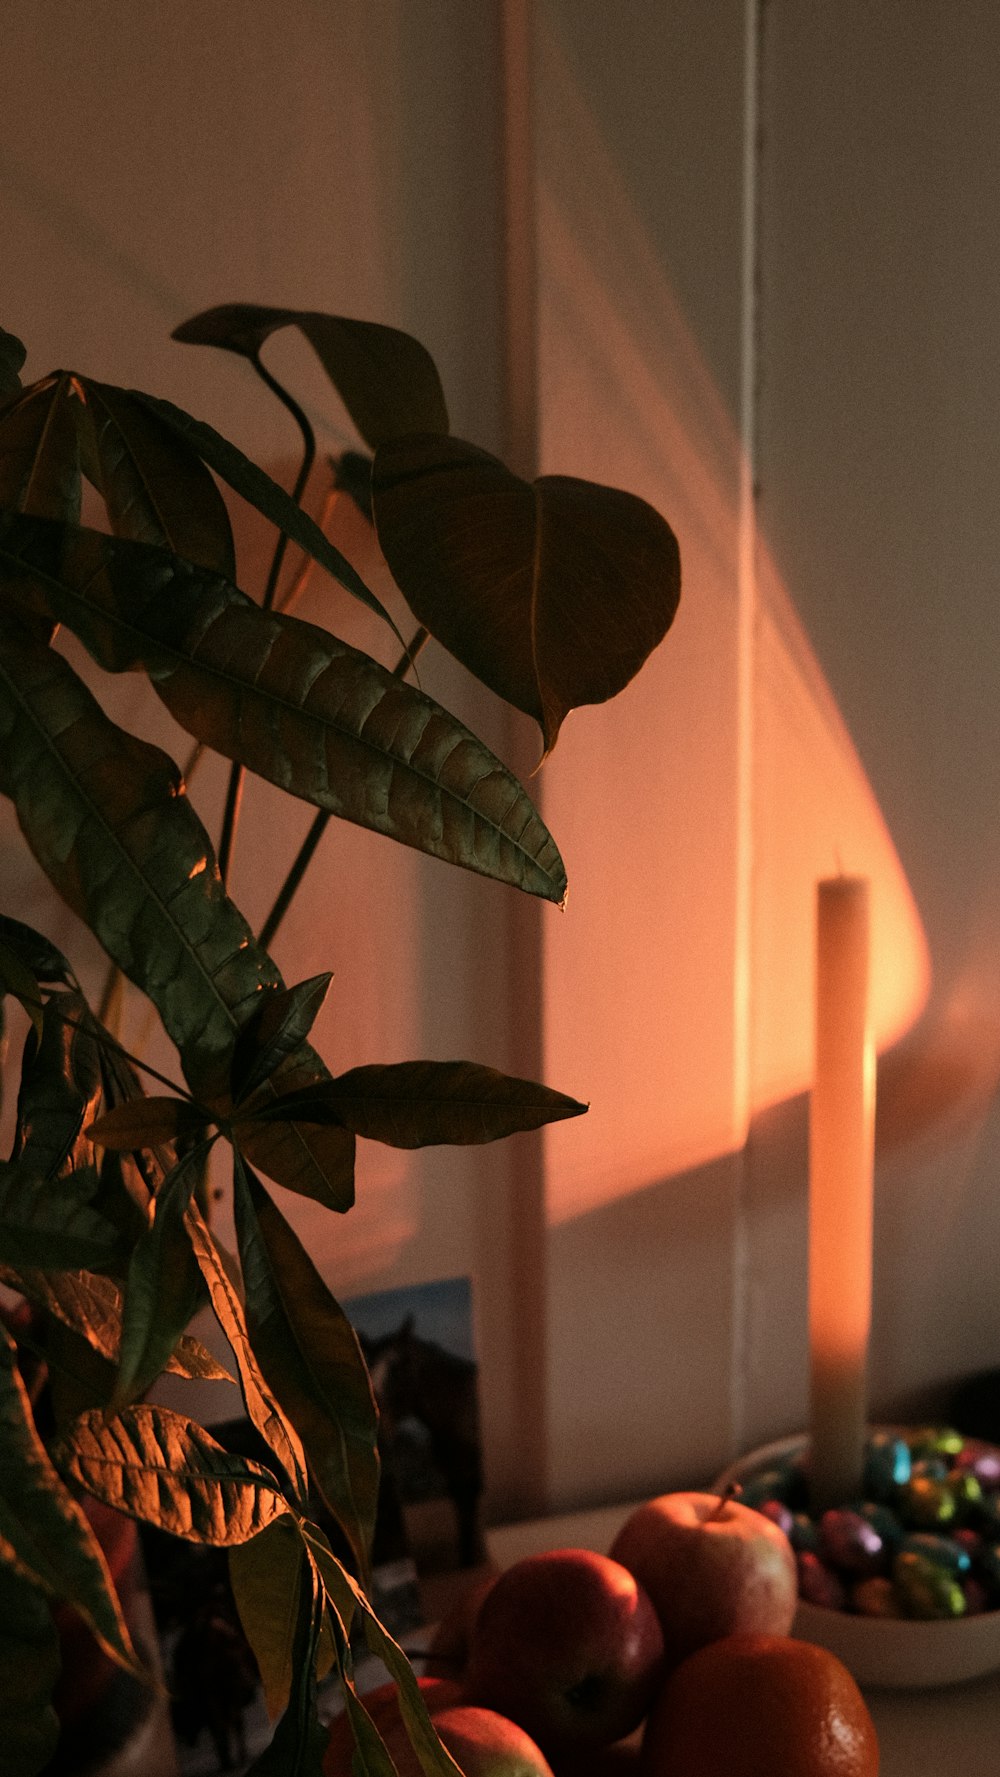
x=760, y=1706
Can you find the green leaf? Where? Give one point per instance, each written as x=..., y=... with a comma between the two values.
x=346, y=1597
x=291, y=702
x=163, y=1287
x=267, y=496
x=299, y=1741
x=552, y=592
x=44, y=1534
x=36, y=952
x=45, y=1223
x=311, y=1357
x=282, y=1021
x=412, y=1104
x=106, y=817
x=60, y=1090
x=387, y=380
x=40, y=449
x=154, y=484
x=91, y=1306
x=158, y=1466
x=12, y=356
x=261, y=1404
x=19, y=981
x=267, y=1576
x=29, y=1666
x=146, y=1122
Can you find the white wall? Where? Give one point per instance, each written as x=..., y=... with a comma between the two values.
x=346, y=157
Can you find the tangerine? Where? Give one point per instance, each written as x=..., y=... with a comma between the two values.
x=760, y=1706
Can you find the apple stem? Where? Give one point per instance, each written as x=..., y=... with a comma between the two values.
x=725, y=1496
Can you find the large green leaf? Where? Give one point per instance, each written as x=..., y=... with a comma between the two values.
x=387, y=380
x=158, y=1466
x=154, y=484
x=262, y=1405
x=36, y=952
x=91, y=1307
x=290, y=701
x=552, y=592
x=49, y=1225
x=267, y=1576
x=40, y=448
x=163, y=1287
x=244, y=477
x=413, y=1104
x=29, y=1664
x=44, y=1534
x=106, y=816
x=12, y=356
x=346, y=1597
x=299, y=1741
x=311, y=1357
x=281, y=1022
x=146, y=1122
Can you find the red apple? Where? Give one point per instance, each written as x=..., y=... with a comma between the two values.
x=711, y=1566
x=567, y=1644
x=482, y=1743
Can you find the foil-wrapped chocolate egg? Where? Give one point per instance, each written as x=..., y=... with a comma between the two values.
x=926, y=1590
x=931, y=1468
x=887, y=1465
x=942, y=1551
x=981, y=1460
x=849, y=1541
x=771, y=1483
x=977, y=1598
x=778, y=1512
x=883, y=1519
x=876, y=1597
x=988, y=1568
x=967, y=1491
x=926, y=1503
x=803, y=1533
x=936, y=1440
x=818, y=1584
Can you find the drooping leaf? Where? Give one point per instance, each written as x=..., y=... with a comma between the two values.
x=552, y=592
x=282, y=1021
x=413, y=1104
x=387, y=380
x=154, y=484
x=290, y=701
x=107, y=819
x=47, y=1224
x=46, y=963
x=267, y=496
x=60, y=1090
x=29, y=1665
x=267, y=1576
x=44, y=1534
x=299, y=1740
x=346, y=1597
x=158, y=1466
x=311, y=1357
x=91, y=1307
x=18, y=980
x=146, y=1122
x=12, y=356
x=40, y=449
x=163, y=1286
x=263, y=1408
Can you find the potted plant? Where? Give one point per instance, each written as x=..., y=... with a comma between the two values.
x=553, y=594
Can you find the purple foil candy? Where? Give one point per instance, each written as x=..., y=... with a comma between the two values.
x=817, y=1584
x=778, y=1512
x=848, y=1540
x=981, y=1460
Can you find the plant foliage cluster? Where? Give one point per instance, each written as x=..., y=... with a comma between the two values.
x=553, y=593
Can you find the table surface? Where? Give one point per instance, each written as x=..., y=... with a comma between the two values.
x=950, y=1732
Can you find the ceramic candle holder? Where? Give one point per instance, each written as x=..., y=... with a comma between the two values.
x=898, y=1652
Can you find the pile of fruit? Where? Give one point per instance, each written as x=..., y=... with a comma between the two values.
x=923, y=1542
x=668, y=1657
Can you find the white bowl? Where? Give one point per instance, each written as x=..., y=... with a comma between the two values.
x=897, y=1652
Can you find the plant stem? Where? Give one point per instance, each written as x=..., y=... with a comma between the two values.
x=234, y=792
x=304, y=857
